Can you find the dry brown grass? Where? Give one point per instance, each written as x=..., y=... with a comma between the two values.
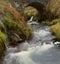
x=16, y=15
x=54, y=7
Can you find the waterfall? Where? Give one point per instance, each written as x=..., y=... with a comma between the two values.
x=31, y=19
x=32, y=22
x=38, y=50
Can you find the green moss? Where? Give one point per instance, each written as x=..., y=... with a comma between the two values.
x=53, y=22
x=14, y=26
x=55, y=29
x=46, y=22
x=2, y=27
x=3, y=43
x=27, y=32
x=10, y=23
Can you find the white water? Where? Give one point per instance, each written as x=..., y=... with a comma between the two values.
x=33, y=55
x=40, y=50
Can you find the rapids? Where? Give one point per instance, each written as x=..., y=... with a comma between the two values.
x=40, y=50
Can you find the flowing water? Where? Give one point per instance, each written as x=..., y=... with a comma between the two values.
x=40, y=50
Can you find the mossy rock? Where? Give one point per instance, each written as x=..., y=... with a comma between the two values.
x=55, y=29
x=3, y=43
x=31, y=11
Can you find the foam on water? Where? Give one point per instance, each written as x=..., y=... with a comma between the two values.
x=45, y=54
x=35, y=51
x=25, y=57
x=30, y=53
x=42, y=35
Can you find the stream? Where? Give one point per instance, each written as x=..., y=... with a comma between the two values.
x=39, y=50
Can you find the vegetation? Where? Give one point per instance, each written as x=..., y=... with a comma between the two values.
x=31, y=11
x=12, y=26
x=3, y=43
x=52, y=22
x=54, y=7
x=55, y=29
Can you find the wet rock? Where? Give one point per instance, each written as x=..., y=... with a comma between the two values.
x=57, y=44
x=1, y=61
x=15, y=39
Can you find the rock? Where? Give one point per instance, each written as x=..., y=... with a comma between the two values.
x=41, y=10
x=23, y=3
x=15, y=39
x=57, y=44
x=31, y=11
x=31, y=7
